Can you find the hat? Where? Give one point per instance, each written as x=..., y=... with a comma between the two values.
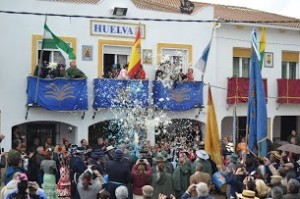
x=121, y=192
x=143, y=150
x=79, y=150
x=109, y=148
x=98, y=153
x=166, y=155
x=247, y=194
x=73, y=148
x=202, y=154
x=229, y=147
x=276, y=154
x=118, y=154
x=234, y=158
x=147, y=191
x=289, y=165
x=159, y=157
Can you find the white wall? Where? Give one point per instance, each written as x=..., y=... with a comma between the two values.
x=16, y=37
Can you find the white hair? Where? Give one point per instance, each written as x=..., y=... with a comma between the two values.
x=202, y=189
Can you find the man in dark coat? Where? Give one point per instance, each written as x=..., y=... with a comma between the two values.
x=77, y=167
x=118, y=173
x=161, y=180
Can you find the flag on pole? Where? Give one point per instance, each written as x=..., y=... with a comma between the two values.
x=212, y=141
x=201, y=63
x=135, y=56
x=257, y=110
x=262, y=47
x=50, y=40
x=234, y=127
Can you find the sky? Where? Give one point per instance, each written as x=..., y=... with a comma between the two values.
x=282, y=7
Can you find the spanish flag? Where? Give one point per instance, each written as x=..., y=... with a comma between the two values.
x=212, y=141
x=262, y=47
x=135, y=56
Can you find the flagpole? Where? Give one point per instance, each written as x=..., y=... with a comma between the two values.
x=40, y=65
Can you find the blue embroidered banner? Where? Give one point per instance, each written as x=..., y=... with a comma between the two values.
x=183, y=97
x=58, y=94
x=120, y=93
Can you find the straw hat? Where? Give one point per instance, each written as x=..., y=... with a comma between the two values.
x=109, y=148
x=247, y=194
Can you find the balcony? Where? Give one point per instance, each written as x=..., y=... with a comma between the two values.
x=288, y=91
x=238, y=90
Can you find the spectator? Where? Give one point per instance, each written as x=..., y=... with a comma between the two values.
x=200, y=176
x=74, y=72
x=121, y=192
x=181, y=175
x=123, y=75
x=190, y=75
x=293, y=190
x=11, y=185
x=147, y=192
x=21, y=190
x=89, y=184
x=141, y=173
x=14, y=153
x=140, y=74
x=276, y=193
x=118, y=173
x=161, y=180
x=201, y=189
x=48, y=166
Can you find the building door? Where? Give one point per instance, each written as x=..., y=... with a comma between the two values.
x=41, y=130
x=109, y=60
x=288, y=123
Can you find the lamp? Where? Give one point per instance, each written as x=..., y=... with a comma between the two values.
x=119, y=11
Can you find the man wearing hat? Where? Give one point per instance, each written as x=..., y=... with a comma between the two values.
x=109, y=153
x=161, y=180
x=181, y=175
x=247, y=194
x=77, y=167
x=118, y=173
x=97, y=156
x=208, y=165
x=274, y=161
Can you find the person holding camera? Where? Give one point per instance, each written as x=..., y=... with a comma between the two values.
x=26, y=189
x=141, y=173
x=89, y=184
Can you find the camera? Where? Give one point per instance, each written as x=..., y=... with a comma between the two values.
x=141, y=160
x=31, y=184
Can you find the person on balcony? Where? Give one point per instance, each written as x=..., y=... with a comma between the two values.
x=140, y=74
x=190, y=75
x=74, y=72
x=123, y=75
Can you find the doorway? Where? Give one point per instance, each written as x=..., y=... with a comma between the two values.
x=288, y=123
x=109, y=60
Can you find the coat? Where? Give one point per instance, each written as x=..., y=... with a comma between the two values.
x=292, y=196
x=201, y=177
x=163, y=184
x=139, y=181
x=181, y=176
x=187, y=196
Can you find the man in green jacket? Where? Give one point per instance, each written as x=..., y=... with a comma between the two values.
x=74, y=72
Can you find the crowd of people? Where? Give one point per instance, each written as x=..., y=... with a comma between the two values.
x=54, y=70
x=171, y=168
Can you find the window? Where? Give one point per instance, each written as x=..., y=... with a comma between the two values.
x=290, y=65
x=241, y=67
x=180, y=55
x=112, y=52
x=52, y=54
x=241, y=62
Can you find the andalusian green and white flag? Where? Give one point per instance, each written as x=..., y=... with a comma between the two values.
x=50, y=40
